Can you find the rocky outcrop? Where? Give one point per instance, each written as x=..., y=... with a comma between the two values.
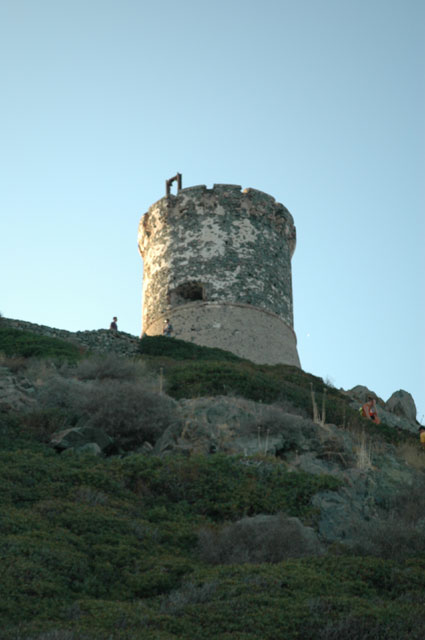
x=16, y=392
x=361, y=394
x=370, y=473
x=227, y=425
x=402, y=404
x=399, y=410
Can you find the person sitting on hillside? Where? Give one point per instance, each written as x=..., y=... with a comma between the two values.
x=168, y=328
x=369, y=410
x=422, y=436
x=114, y=326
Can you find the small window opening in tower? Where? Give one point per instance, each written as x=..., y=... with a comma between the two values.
x=186, y=292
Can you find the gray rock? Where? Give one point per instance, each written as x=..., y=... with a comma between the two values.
x=361, y=394
x=261, y=538
x=402, y=404
x=91, y=447
x=310, y=463
x=235, y=426
x=79, y=437
x=308, y=542
x=336, y=515
x=391, y=419
x=399, y=411
x=366, y=495
x=16, y=392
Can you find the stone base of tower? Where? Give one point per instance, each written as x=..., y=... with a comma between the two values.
x=248, y=332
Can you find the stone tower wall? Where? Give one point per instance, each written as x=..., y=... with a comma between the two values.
x=217, y=263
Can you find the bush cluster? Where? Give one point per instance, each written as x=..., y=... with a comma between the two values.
x=126, y=409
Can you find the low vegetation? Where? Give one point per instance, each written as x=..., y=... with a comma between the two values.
x=14, y=342
x=181, y=350
x=132, y=546
x=213, y=373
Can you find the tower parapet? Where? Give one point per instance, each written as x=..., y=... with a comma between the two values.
x=217, y=263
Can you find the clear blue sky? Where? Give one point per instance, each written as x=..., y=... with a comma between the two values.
x=320, y=103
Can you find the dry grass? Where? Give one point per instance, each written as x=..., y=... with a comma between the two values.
x=110, y=367
x=413, y=455
x=363, y=452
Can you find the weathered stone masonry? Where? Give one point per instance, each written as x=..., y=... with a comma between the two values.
x=217, y=262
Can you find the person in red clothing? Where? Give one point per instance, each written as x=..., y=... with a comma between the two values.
x=369, y=410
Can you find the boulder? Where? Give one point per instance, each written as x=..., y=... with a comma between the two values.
x=361, y=394
x=91, y=448
x=78, y=438
x=290, y=533
x=258, y=539
x=402, y=404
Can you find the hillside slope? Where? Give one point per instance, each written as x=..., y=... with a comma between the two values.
x=183, y=493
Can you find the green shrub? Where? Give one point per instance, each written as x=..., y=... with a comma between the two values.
x=56, y=634
x=41, y=423
x=222, y=487
x=188, y=594
x=125, y=409
x=401, y=532
x=128, y=412
x=365, y=628
x=221, y=378
x=409, y=503
x=14, y=342
x=182, y=350
x=107, y=547
x=391, y=538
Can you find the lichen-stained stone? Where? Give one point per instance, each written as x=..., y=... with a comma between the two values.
x=217, y=263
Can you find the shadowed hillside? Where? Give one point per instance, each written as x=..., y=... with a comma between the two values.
x=185, y=493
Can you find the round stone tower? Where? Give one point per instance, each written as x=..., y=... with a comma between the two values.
x=217, y=264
